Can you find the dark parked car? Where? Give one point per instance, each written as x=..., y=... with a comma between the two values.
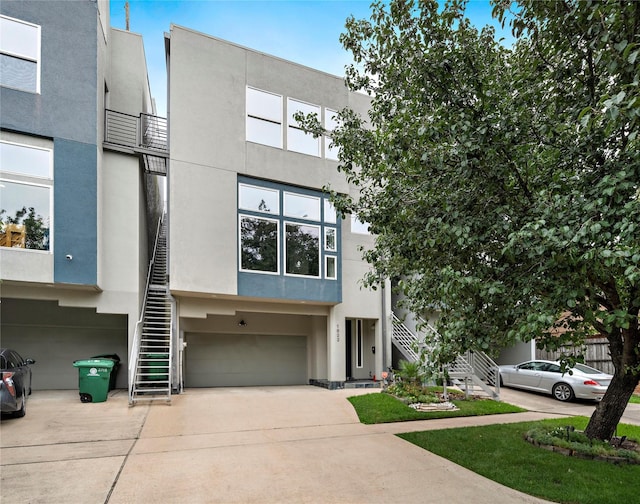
x=16, y=382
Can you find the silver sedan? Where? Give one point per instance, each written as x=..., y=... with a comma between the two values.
x=582, y=382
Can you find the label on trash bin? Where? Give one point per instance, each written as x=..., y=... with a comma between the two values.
x=96, y=371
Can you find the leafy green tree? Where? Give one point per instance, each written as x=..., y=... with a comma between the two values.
x=502, y=183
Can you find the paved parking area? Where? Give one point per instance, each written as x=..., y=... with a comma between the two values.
x=263, y=445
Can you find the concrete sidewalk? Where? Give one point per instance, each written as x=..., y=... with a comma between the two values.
x=263, y=445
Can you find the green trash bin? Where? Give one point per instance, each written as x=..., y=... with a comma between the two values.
x=114, y=371
x=156, y=367
x=93, y=379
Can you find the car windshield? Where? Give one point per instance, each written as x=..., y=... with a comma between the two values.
x=587, y=369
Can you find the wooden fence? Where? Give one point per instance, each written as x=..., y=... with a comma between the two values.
x=595, y=351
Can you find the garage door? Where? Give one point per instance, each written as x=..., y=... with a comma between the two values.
x=214, y=360
x=56, y=336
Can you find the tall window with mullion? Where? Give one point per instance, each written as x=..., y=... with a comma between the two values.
x=264, y=117
x=19, y=55
x=297, y=139
x=302, y=249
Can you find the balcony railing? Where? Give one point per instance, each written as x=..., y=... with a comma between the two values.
x=144, y=131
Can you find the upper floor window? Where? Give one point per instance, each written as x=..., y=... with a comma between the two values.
x=330, y=124
x=19, y=55
x=297, y=139
x=264, y=117
x=359, y=227
x=265, y=124
x=26, y=186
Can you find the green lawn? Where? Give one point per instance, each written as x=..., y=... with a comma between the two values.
x=635, y=399
x=384, y=408
x=500, y=453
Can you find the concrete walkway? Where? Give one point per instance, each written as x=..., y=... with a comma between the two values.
x=246, y=445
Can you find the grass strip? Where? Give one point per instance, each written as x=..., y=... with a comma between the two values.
x=384, y=408
x=499, y=452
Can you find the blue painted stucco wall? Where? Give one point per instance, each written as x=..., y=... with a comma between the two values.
x=66, y=112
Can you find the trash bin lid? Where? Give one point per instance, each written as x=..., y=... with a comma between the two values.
x=108, y=363
x=114, y=357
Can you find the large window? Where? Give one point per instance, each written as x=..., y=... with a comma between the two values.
x=302, y=250
x=19, y=55
x=264, y=117
x=284, y=231
x=258, y=244
x=297, y=139
x=26, y=185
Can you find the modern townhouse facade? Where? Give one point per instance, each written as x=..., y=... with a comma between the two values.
x=264, y=275
x=254, y=279
x=76, y=210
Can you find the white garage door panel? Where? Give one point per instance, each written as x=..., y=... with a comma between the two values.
x=245, y=360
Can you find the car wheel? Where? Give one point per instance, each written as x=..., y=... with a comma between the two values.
x=22, y=411
x=562, y=392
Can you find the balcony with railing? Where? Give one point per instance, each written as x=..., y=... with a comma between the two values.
x=144, y=134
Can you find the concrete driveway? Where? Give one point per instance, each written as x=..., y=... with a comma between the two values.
x=543, y=403
x=263, y=445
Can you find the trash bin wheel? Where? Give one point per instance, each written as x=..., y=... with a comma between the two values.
x=85, y=398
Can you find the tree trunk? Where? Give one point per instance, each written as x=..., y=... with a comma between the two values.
x=606, y=417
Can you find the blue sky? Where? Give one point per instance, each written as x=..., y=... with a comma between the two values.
x=303, y=31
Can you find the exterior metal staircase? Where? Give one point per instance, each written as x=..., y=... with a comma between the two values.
x=473, y=372
x=151, y=356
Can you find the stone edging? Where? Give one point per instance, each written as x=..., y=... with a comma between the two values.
x=573, y=453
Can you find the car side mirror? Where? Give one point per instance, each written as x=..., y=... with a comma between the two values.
x=29, y=361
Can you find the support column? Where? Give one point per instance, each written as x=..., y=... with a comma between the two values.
x=336, y=365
